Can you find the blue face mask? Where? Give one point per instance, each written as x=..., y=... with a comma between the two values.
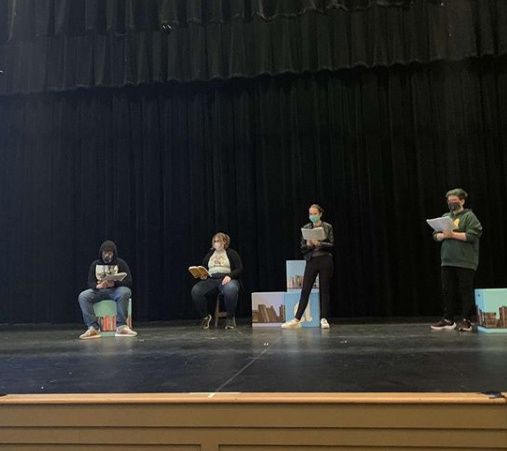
x=314, y=218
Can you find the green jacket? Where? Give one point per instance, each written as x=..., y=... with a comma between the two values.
x=462, y=254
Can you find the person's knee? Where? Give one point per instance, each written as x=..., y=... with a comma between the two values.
x=196, y=291
x=231, y=289
x=84, y=296
x=123, y=293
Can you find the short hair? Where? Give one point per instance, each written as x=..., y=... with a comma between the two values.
x=318, y=207
x=458, y=192
x=224, y=237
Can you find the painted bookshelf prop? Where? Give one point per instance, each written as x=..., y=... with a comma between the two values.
x=311, y=317
x=295, y=276
x=271, y=309
x=268, y=309
x=491, y=306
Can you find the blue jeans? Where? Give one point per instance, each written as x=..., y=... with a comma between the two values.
x=120, y=295
x=207, y=290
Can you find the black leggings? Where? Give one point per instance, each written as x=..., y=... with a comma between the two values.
x=323, y=267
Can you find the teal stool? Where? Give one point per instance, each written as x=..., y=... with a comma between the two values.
x=105, y=311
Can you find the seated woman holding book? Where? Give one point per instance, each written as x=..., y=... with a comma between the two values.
x=224, y=268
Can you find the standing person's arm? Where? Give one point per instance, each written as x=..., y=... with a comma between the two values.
x=473, y=231
x=328, y=243
x=451, y=235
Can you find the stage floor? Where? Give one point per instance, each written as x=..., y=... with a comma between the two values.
x=183, y=358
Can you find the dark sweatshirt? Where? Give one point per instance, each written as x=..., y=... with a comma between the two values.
x=462, y=254
x=99, y=269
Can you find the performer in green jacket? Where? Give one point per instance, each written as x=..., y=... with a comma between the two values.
x=460, y=258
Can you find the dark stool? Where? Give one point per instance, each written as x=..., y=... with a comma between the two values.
x=218, y=313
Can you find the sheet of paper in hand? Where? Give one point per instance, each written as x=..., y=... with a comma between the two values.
x=115, y=277
x=316, y=233
x=441, y=224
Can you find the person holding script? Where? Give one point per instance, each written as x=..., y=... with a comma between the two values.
x=459, y=234
x=219, y=275
x=108, y=278
x=317, y=245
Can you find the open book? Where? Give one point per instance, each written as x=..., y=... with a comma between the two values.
x=115, y=277
x=441, y=224
x=199, y=271
x=317, y=233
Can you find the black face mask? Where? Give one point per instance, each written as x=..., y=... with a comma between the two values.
x=454, y=206
x=107, y=258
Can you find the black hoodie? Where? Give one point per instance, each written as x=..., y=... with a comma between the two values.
x=99, y=268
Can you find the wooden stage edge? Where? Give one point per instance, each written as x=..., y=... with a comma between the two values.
x=254, y=422
x=255, y=398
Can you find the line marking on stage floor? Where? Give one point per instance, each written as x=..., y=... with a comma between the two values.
x=234, y=376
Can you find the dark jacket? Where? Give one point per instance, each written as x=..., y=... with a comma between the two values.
x=326, y=246
x=99, y=268
x=234, y=259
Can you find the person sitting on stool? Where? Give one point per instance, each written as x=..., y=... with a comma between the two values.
x=225, y=267
x=107, y=264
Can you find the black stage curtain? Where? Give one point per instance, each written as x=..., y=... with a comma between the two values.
x=160, y=168
x=28, y=18
x=50, y=45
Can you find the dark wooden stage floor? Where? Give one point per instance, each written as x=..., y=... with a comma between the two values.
x=182, y=358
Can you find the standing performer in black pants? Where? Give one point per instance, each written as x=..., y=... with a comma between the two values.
x=319, y=262
x=460, y=258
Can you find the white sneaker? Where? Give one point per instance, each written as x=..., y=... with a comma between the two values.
x=90, y=334
x=125, y=331
x=324, y=324
x=292, y=324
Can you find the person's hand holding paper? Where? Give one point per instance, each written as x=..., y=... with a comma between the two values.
x=313, y=235
x=442, y=224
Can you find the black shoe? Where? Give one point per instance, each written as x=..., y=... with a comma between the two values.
x=205, y=322
x=230, y=323
x=465, y=326
x=444, y=324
